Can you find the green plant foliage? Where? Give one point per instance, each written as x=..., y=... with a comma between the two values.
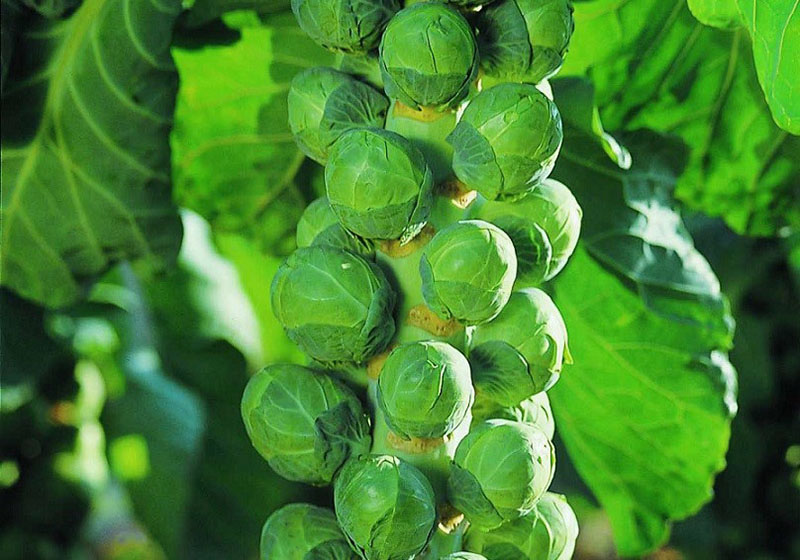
x=86, y=119
x=428, y=56
x=500, y=470
x=302, y=531
x=741, y=166
x=233, y=157
x=506, y=141
x=774, y=26
x=304, y=423
x=664, y=323
x=398, y=519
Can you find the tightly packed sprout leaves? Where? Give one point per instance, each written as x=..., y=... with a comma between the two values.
x=418, y=289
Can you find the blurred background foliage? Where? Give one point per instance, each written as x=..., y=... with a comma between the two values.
x=120, y=434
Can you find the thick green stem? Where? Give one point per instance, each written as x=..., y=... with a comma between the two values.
x=427, y=128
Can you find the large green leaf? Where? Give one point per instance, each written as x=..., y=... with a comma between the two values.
x=655, y=66
x=774, y=26
x=235, y=162
x=645, y=411
x=86, y=114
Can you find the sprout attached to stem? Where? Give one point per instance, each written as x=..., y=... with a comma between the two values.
x=379, y=184
x=304, y=423
x=524, y=40
x=303, y=532
x=521, y=352
x=507, y=141
x=544, y=225
x=549, y=532
x=425, y=390
x=385, y=506
x=500, y=471
x=350, y=26
x=324, y=103
x=351, y=300
x=428, y=56
x=468, y=270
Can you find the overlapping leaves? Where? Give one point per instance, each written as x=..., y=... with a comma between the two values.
x=655, y=66
x=645, y=410
x=87, y=109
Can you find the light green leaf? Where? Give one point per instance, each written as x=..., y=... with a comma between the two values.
x=645, y=411
x=717, y=13
x=204, y=11
x=699, y=83
x=234, y=159
x=85, y=155
x=774, y=26
x=643, y=416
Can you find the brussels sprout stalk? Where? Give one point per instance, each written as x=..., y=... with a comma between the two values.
x=427, y=128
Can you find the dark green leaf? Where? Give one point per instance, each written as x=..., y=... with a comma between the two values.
x=645, y=411
x=85, y=157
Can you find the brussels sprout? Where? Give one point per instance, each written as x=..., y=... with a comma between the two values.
x=351, y=26
x=500, y=469
x=324, y=103
x=544, y=225
x=379, y=185
x=530, y=324
x=534, y=410
x=468, y=270
x=305, y=424
x=428, y=56
x=319, y=226
x=463, y=556
x=524, y=40
x=304, y=532
x=507, y=140
x=385, y=506
x=548, y=532
x=351, y=300
x=424, y=389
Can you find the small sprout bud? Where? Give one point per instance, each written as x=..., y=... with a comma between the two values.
x=385, y=506
x=507, y=141
x=379, y=185
x=534, y=410
x=463, y=556
x=468, y=270
x=324, y=103
x=349, y=26
x=506, y=486
x=544, y=225
x=549, y=532
x=524, y=40
x=424, y=389
x=428, y=56
x=304, y=423
x=303, y=532
x=530, y=325
x=319, y=226
x=334, y=304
